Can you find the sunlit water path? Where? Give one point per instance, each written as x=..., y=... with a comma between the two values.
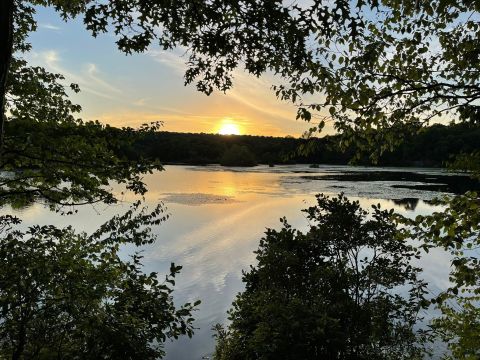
x=218, y=215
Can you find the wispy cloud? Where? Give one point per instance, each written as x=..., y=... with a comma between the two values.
x=248, y=90
x=251, y=103
x=49, y=27
x=90, y=80
x=254, y=93
x=173, y=60
x=96, y=77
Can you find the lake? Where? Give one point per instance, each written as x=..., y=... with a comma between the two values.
x=218, y=215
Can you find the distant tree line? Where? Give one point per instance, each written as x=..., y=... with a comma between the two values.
x=432, y=146
x=169, y=147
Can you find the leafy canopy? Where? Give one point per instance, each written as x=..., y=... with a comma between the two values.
x=401, y=65
x=455, y=229
x=48, y=154
x=377, y=69
x=68, y=295
x=345, y=289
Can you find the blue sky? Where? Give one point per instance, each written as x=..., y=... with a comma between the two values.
x=130, y=90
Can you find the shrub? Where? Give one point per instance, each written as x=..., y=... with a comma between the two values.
x=334, y=292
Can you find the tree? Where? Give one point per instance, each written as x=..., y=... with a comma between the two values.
x=401, y=65
x=64, y=294
x=219, y=35
x=344, y=290
x=456, y=230
x=238, y=155
x=47, y=153
x=68, y=295
x=459, y=327
x=16, y=22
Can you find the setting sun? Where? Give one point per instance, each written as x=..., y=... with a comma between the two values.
x=228, y=127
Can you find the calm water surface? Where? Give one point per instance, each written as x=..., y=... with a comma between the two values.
x=218, y=215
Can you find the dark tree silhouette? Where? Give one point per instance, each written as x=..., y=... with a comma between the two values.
x=343, y=290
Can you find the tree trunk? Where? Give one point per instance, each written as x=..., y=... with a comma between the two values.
x=6, y=49
x=19, y=349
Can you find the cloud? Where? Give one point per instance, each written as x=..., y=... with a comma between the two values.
x=52, y=61
x=49, y=27
x=248, y=91
x=251, y=103
x=95, y=75
x=172, y=59
x=256, y=93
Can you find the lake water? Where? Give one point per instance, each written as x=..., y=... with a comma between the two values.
x=218, y=215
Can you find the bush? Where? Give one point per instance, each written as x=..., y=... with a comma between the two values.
x=331, y=293
x=65, y=295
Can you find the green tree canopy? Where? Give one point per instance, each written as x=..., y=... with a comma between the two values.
x=48, y=153
x=455, y=229
x=68, y=295
x=401, y=65
x=345, y=289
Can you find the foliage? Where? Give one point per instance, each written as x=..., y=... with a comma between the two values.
x=468, y=162
x=434, y=146
x=345, y=289
x=238, y=156
x=456, y=230
x=68, y=295
x=218, y=35
x=64, y=294
x=49, y=155
x=399, y=66
x=459, y=327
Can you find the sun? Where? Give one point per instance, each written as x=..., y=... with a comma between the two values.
x=228, y=127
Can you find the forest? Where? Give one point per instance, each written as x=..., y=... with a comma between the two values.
x=433, y=146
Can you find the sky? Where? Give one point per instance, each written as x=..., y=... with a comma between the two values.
x=131, y=90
